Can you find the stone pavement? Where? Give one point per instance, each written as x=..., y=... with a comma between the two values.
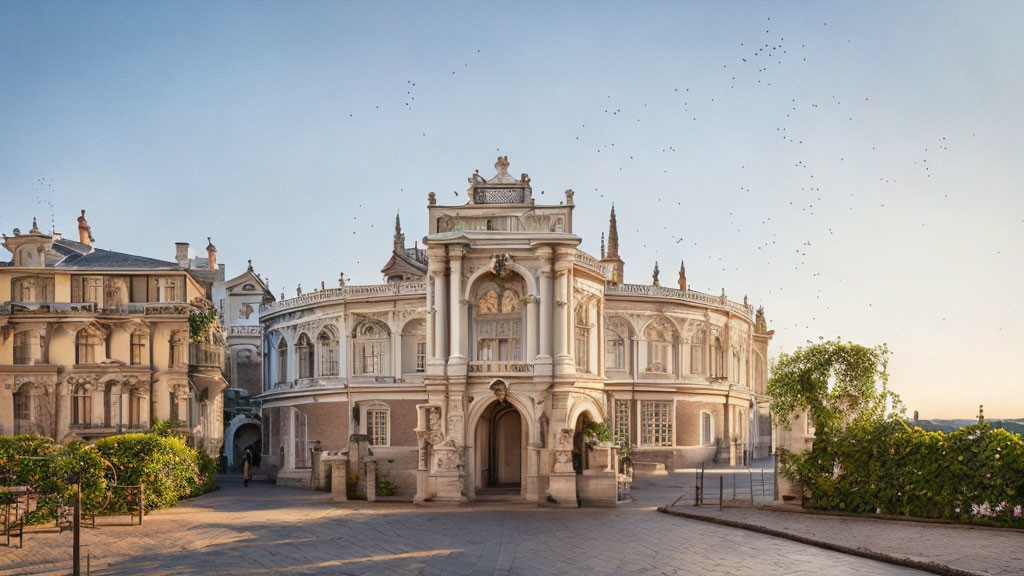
x=964, y=549
x=264, y=529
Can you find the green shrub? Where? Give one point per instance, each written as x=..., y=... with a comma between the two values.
x=352, y=491
x=974, y=474
x=386, y=487
x=598, y=431
x=164, y=464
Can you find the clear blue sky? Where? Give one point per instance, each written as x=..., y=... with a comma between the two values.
x=855, y=168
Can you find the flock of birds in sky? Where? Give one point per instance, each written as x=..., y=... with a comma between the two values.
x=752, y=68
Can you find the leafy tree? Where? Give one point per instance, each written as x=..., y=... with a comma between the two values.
x=837, y=383
x=201, y=323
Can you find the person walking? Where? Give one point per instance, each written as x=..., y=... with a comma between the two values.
x=246, y=467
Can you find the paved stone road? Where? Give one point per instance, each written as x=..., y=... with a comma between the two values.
x=268, y=530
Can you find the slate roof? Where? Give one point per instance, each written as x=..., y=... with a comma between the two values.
x=78, y=256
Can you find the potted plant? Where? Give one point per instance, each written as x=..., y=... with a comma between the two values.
x=598, y=433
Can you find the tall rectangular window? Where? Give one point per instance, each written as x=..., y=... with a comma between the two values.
x=615, y=353
x=421, y=356
x=139, y=349
x=94, y=290
x=656, y=422
x=620, y=424
x=23, y=405
x=377, y=427
x=301, y=446
x=26, y=347
x=706, y=429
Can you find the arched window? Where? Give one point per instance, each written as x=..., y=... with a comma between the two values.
x=717, y=360
x=414, y=346
x=139, y=341
x=698, y=342
x=304, y=356
x=301, y=445
x=81, y=406
x=582, y=340
x=27, y=347
x=707, y=429
x=660, y=338
x=498, y=321
x=327, y=351
x=23, y=409
x=372, y=339
x=616, y=336
x=282, y=361
x=86, y=344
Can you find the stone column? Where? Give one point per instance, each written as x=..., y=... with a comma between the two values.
x=562, y=312
x=457, y=359
x=531, y=328
x=439, y=314
x=396, y=353
x=546, y=314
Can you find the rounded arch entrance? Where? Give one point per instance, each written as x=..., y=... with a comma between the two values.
x=500, y=428
x=243, y=430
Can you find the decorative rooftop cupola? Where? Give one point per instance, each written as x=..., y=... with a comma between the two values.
x=682, y=275
x=612, y=254
x=30, y=249
x=211, y=253
x=84, y=231
x=399, y=244
x=504, y=188
x=655, y=274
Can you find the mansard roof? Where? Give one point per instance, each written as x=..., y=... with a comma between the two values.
x=78, y=256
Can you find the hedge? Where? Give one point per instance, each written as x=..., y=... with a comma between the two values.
x=164, y=464
x=974, y=474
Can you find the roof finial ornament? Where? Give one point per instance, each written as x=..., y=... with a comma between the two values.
x=341, y=279
x=250, y=265
x=399, y=243
x=431, y=199
x=502, y=165
x=35, y=226
x=657, y=272
x=682, y=275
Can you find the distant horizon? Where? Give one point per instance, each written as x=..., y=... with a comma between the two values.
x=853, y=169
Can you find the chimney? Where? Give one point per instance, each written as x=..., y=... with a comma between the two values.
x=84, y=231
x=181, y=254
x=211, y=253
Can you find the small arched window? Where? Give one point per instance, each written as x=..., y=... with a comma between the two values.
x=304, y=356
x=660, y=338
x=378, y=423
x=707, y=430
x=327, y=351
x=282, y=361
x=498, y=321
x=717, y=360
x=697, y=352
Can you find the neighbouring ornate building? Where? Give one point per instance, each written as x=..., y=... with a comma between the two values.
x=238, y=301
x=95, y=342
x=476, y=365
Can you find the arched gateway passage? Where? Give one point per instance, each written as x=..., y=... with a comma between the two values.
x=499, y=449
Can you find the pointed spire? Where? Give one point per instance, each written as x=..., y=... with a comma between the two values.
x=655, y=274
x=682, y=275
x=613, y=235
x=399, y=244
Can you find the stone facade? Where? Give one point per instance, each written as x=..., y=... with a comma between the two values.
x=94, y=342
x=487, y=351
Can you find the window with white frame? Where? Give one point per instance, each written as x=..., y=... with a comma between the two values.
x=707, y=430
x=304, y=356
x=378, y=420
x=282, y=361
x=656, y=422
x=620, y=422
x=372, y=339
x=27, y=348
x=421, y=356
x=327, y=352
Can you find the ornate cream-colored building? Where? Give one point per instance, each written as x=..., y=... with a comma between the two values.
x=474, y=368
x=95, y=342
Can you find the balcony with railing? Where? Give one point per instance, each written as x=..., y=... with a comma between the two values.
x=201, y=355
x=128, y=308
x=587, y=261
x=689, y=296
x=48, y=307
x=345, y=293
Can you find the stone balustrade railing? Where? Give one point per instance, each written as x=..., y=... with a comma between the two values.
x=245, y=331
x=489, y=367
x=147, y=308
x=344, y=292
x=684, y=296
x=588, y=261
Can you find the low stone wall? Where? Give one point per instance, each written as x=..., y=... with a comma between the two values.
x=398, y=464
x=675, y=457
